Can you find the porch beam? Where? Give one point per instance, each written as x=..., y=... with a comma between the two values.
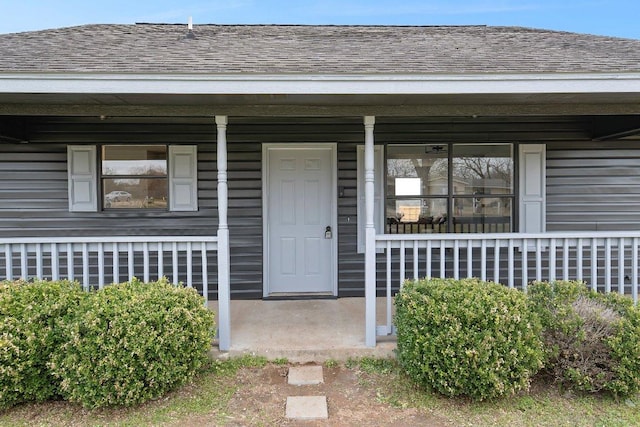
x=224, y=290
x=370, y=234
x=331, y=109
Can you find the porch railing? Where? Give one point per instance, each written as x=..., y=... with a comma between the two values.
x=606, y=261
x=96, y=261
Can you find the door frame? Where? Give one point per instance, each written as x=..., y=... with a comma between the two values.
x=266, y=174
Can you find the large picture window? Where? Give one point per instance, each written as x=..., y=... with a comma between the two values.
x=439, y=188
x=134, y=177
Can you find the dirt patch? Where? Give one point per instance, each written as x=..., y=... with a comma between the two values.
x=353, y=399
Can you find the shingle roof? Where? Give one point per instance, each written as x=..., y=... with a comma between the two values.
x=163, y=48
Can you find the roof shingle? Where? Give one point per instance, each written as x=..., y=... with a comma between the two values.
x=163, y=48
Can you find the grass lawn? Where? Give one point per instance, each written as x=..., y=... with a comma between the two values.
x=251, y=391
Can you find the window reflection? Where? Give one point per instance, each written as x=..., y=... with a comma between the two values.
x=138, y=160
x=134, y=176
x=424, y=196
x=482, y=169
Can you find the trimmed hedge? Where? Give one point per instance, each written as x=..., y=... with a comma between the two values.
x=31, y=319
x=121, y=345
x=467, y=337
x=592, y=339
x=133, y=342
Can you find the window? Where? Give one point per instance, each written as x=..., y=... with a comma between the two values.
x=134, y=177
x=439, y=188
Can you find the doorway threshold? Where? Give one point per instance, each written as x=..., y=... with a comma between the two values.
x=279, y=296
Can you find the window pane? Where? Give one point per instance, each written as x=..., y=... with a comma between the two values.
x=415, y=215
x=482, y=214
x=482, y=169
x=417, y=170
x=138, y=193
x=136, y=160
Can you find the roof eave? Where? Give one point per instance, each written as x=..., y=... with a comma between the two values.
x=300, y=84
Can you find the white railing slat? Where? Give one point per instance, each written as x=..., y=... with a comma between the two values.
x=85, y=266
x=39, y=261
x=634, y=270
x=389, y=296
x=579, y=261
x=469, y=258
x=23, y=262
x=510, y=265
x=145, y=261
x=429, y=259
x=415, y=260
x=456, y=260
x=70, y=262
x=115, y=253
x=205, y=272
x=189, y=265
x=101, y=265
x=161, y=259
x=525, y=264
x=402, y=262
x=443, y=258
x=8, y=257
x=483, y=261
x=538, y=259
x=496, y=261
x=565, y=259
x=607, y=265
x=130, y=261
x=55, y=262
x=174, y=258
x=621, y=272
x=594, y=264
x=552, y=259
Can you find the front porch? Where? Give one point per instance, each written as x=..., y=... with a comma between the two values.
x=304, y=330
x=219, y=248
x=332, y=328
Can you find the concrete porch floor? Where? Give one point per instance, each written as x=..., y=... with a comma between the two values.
x=304, y=330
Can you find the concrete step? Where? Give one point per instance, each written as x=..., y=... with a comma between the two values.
x=306, y=407
x=305, y=375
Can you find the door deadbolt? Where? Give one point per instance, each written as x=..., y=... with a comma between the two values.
x=327, y=232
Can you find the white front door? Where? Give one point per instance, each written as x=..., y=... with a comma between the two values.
x=300, y=221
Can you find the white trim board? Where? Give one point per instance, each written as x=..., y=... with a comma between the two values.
x=323, y=84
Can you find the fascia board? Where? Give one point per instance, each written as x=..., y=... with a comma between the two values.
x=298, y=84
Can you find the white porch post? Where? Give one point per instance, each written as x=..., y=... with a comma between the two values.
x=370, y=234
x=224, y=291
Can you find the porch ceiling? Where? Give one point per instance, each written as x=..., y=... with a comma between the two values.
x=389, y=128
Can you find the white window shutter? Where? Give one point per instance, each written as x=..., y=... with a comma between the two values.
x=83, y=182
x=532, y=204
x=378, y=185
x=183, y=178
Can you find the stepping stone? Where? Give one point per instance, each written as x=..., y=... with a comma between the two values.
x=305, y=375
x=307, y=408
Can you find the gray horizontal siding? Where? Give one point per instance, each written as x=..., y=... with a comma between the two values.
x=33, y=178
x=34, y=187
x=593, y=186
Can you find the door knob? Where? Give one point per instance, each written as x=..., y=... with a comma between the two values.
x=327, y=232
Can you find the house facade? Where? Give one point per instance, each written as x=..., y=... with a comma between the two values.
x=319, y=161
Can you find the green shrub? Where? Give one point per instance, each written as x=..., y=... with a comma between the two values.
x=467, y=337
x=592, y=340
x=133, y=342
x=31, y=315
